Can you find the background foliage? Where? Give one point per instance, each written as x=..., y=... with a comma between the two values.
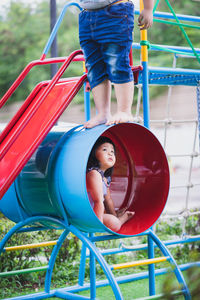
x=24, y=31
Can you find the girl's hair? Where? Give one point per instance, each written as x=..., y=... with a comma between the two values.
x=92, y=160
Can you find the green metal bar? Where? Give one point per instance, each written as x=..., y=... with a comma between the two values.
x=174, y=23
x=25, y=271
x=182, y=29
x=171, y=50
x=155, y=6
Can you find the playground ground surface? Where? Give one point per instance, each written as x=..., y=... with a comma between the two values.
x=130, y=291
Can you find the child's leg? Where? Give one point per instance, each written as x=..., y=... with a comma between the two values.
x=124, y=94
x=101, y=94
x=112, y=222
x=115, y=223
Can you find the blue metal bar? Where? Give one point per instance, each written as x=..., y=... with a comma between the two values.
x=145, y=90
x=82, y=265
x=69, y=296
x=53, y=259
x=145, y=247
x=108, y=237
x=166, y=15
x=175, y=71
x=101, y=261
x=146, y=116
x=57, y=25
x=87, y=103
x=176, y=268
x=151, y=267
x=92, y=274
x=198, y=108
x=172, y=79
x=35, y=296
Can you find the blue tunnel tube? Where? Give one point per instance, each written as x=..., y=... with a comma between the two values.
x=57, y=173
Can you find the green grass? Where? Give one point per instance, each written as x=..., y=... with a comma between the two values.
x=130, y=291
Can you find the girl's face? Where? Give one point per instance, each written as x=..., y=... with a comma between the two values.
x=105, y=154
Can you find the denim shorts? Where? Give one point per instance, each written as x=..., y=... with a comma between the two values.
x=106, y=39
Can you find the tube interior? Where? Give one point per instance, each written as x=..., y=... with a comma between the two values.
x=140, y=180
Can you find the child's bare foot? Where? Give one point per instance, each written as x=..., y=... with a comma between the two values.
x=126, y=216
x=121, y=211
x=120, y=117
x=96, y=120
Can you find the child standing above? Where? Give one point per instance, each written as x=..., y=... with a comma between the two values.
x=99, y=169
x=105, y=33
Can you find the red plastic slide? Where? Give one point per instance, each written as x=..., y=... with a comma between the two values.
x=34, y=120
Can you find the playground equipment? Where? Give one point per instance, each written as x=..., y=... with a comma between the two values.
x=57, y=175
x=53, y=161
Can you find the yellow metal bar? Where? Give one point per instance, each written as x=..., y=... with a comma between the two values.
x=139, y=263
x=84, y=68
x=143, y=37
x=31, y=246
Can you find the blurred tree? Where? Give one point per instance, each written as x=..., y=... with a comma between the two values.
x=21, y=36
x=24, y=31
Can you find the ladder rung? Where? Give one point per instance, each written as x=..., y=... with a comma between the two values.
x=18, y=272
x=139, y=263
x=30, y=246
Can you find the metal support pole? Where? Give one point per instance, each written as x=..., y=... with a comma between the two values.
x=54, y=47
x=101, y=260
x=82, y=266
x=92, y=274
x=198, y=108
x=174, y=265
x=146, y=115
x=87, y=102
x=152, y=289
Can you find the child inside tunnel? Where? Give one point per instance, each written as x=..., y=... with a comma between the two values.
x=98, y=178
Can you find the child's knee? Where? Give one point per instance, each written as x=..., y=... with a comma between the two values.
x=116, y=227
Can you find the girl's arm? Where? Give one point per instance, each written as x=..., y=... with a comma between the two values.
x=145, y=19
x=109, y=205
x=94, y=187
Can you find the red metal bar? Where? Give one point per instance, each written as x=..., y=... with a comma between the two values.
x=27, y=69
x=49, y=87
x=131, y=57
x=136, y=70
